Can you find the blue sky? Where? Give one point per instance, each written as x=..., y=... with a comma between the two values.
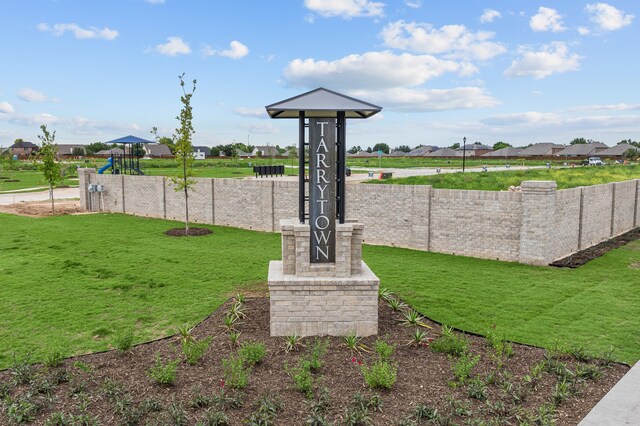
x=521, y=72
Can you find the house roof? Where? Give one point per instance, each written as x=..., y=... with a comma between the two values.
x=397, y=154
x=582, y=149
x=544, y=148
x=474, y=146
x=504, y=152
x=66, y=149
x=24, y=144
x=205, y=149
x=267, y=150
x=118, y=151
x=421, y=151
x=442, y=152
x=320, y=103
x=617, y=150
x=240, y=153
x=158, y=150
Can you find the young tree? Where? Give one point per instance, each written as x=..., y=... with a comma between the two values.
x=403, y=148
x=49, y=164
x=499, y=145
x=381, y=147
x=184, y=148
x=578, y=141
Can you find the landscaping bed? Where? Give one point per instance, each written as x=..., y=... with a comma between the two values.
x=480, y=380
x=583, y=256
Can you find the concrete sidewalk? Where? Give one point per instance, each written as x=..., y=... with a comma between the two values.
x=621, y=406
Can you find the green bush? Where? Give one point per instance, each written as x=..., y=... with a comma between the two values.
x=54, y=359
x=462, y=368
x=124, y=341
x=252, y=352
x=302, y=376
x=381, y=374
x=383, y=349
x=317, y=352
x=449, y=343
x=194, y=350
x=236, y=374
x=164, y=374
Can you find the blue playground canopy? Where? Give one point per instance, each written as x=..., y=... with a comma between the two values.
x=129, y=139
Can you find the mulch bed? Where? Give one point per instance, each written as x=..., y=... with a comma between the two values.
x=583, y=256
x=423, y=377
x=193, y=232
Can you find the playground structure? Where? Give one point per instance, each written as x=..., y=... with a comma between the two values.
x=127, y=163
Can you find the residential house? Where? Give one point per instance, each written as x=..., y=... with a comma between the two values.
x=442, y=152
x=265, y=151
x=201, y=152
x=422, y=151
x=582, y=150
x=473, y=150
x=23, y=148
x=157, y=150
x=66, y=150
x=396, y=154
x=504, y=152
x=544, y=149
x=108, y=152
x=618, y=150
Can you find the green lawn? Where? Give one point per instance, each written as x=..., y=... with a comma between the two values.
x=500, y=181
x=27, y=179
x=73, y=283
x=412, y=162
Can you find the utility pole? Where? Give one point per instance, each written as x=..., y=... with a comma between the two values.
x=464, y=152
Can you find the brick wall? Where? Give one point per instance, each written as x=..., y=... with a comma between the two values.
x=534, y=226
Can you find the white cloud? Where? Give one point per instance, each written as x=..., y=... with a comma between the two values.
x=547, y=19
x=584, y=31
x=32, y=95
x=413, y=100
x=607, y=17
x=6, y=108
x=553, y=58
x=155, y=1
x=346, y=9
x=174, y=46
x=35, y=119
x=522, y=118
x=416, y=4
x=454, y=40
x=489, y=15
x=208, y=51
x=236, y=50
x=78, y=31
x=607, y=107
x=368, y=71
x=250, y=112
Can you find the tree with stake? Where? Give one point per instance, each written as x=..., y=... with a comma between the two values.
x=184, y=149
x=49, y=165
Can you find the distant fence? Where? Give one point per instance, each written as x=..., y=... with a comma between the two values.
x=535, y=225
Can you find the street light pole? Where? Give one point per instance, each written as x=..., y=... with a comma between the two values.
x=464, y=152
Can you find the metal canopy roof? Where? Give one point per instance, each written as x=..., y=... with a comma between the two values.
x=320, y=103
x=129, y=139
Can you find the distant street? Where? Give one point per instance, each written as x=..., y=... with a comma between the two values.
x=21, y=197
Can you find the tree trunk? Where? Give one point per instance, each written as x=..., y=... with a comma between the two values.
x=186, y=211
x=51, y=198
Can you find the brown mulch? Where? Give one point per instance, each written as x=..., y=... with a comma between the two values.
x=193, y=232
x=43, y=208
x=583, y=256
x=423, y=378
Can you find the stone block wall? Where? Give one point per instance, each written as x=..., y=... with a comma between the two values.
x=487, y=224
x=476, y=223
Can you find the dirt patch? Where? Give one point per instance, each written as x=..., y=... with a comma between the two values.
x=583, y=256
x=115, y=388
x=193, y=232
x=43, y=208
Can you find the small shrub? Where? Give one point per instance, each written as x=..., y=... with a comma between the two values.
x=381, y=374
x=413, y=318
x=164, y=374
x=198, y=400
x=240, y=298
x=236, y=374
x=354, y=343
x=302, y=376
x=151, y=405
x=234, y=339
x=21, y=411
x=425, y=412
x=129, y=413
x=560, y=392
x=418, y=338
x=252, y=352
x=124, y=341
x=4, y=390
x=177, y=413
x=215, y=418
x=358, y=413
x=195, y=350
x=501, y=347
x=266, y=411
x=21, y=370
x=384, y=293
x=477, y=389
x=588, y=371
x=319, y=406
x=449, y=343
x=229, y=323
x=185, y=335
x=224, y=401
x=236, y=311
x=318, y=350
x=383, y=349
x=59, y=419
x=54, y=359
x=292, y=343
x=112, y=388
x=462, y=368
x=396, y=305
x=82, y=366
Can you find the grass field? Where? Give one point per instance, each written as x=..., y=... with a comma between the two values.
x=73, y=283
x=500, y=181
x=27, y=179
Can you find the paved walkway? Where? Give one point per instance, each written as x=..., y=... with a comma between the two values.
x=621, y=406
x=20, y=197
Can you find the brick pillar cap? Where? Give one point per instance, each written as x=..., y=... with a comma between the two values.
x=541, y=184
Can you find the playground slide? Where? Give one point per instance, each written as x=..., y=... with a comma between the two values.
x=106, y=166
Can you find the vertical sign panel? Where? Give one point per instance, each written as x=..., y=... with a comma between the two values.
x=322, y=189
